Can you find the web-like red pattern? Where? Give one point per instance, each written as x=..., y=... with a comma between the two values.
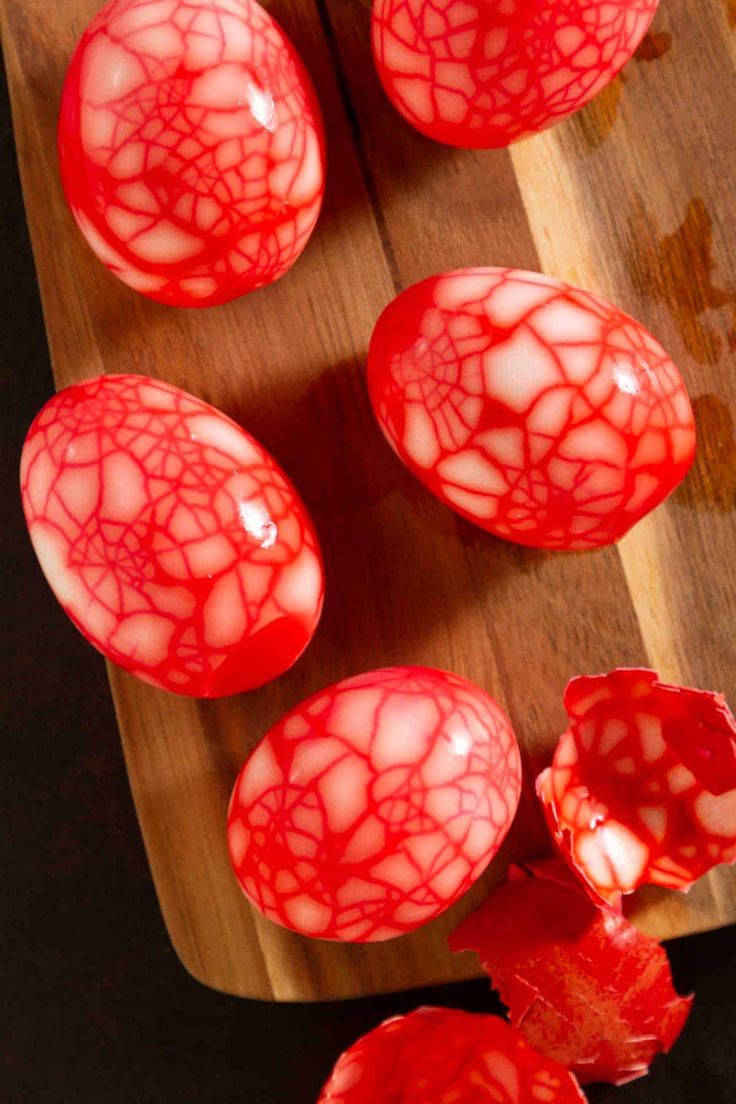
x=443, y=1056
x=484, y=73
x=642, y=789
x=585, y=987
x=191, y=146
x=541, y=412
x=374, y=805
x=170, y=536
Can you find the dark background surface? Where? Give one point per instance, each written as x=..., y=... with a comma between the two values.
x=94, y=1004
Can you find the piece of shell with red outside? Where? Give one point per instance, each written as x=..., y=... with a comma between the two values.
x=582, y=983
x=444, y=1056
x=642, y=787
x=374, y=805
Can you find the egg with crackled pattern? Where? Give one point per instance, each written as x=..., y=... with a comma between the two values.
x=373, y=806
x=536, y=410
x=170, y=536
x=481, y=74
x=191, y=147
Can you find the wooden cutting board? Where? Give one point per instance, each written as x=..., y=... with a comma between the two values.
x=632, y=198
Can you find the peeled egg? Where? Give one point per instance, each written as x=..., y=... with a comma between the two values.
x=539, y=411
x=374, y=805
x=171, y=538
x=483, y=73
x=444, y=1056
x=191, y=147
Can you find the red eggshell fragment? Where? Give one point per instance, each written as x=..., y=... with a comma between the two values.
x=642, y=788
x=373, y=806
x=482, y=73
x=191, y=147
x=583, y=984
x=170, y=536
x=442, y=1056
x=540, y=412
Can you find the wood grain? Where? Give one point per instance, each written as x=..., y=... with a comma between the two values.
x=631, y=198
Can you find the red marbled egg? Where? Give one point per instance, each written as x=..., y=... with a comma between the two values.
x=191, y=147
x=540, y=412
x=373, y=806
x=483, y=73
x=172, y=539
x=443, y=1056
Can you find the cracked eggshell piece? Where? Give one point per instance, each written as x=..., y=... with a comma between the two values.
x=536, y=410
x=582, y=983
x=444, y=1056
x=374, y=805
x=480, y=74
x=191, y=147
x=170, y=536
x=642, y=788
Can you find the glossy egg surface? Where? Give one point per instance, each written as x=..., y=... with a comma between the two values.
x=444, y=1056
x=172, y=539
x=191, y=147
x=539, y=411
x=373, y=806
x=484, y=73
